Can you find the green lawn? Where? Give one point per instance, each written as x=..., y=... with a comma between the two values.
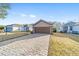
x=63, y=45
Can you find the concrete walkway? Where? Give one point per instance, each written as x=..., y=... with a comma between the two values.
x=30, y=45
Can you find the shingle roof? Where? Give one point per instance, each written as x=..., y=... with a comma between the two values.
x=50, y=23
x=14, y=25
x=72, y=23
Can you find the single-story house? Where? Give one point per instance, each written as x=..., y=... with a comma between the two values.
x=71, y=27
x=15, y=27
x=42, y=27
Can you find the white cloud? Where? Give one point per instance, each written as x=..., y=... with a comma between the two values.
x=23, y=15
x=51, y=16
x=32, y=16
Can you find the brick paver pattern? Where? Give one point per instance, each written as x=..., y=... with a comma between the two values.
x=30, y=45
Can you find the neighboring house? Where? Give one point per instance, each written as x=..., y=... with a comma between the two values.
x=57, y=26
x=15, y=27
x=30, y=27
x=23, y=28
x=71, y=27
x=42, y=27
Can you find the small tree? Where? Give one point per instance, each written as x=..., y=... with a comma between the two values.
x=54, y=30
x=1, y=27
x=4, y=7
x=4, y=10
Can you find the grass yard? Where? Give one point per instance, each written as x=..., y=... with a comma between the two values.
x=11, y=35
x=63, y=45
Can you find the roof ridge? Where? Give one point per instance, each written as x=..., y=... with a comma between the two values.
x=43, y=21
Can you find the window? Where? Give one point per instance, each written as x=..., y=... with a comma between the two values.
x=70, y=27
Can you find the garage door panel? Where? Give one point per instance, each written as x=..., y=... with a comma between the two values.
x=42, y=29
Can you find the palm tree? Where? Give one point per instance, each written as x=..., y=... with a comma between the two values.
x=4, y=7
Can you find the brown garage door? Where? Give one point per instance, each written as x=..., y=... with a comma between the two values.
x=42, y=29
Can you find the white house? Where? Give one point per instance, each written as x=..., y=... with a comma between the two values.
x=75, y=28
x=15, y=27
x=23, y=28
x=71, y=27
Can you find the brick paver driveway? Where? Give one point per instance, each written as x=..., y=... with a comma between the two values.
x=30, y=45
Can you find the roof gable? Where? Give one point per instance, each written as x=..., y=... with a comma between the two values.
x=42, y=23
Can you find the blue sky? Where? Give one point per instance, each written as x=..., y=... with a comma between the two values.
x=27, y=13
